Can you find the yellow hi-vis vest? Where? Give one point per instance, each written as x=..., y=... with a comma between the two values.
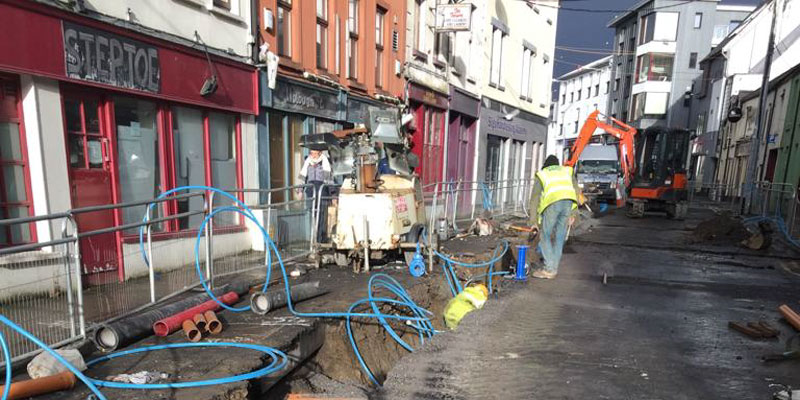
x=556, y=185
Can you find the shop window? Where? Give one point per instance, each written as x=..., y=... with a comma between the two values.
x=284, y=28
x=322, y=34
x=380, y=17
x=15, y=199
x=222, y=146
x=286, y=155
x=189, y=159
x=137, y=156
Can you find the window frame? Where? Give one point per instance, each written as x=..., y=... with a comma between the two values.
x=284, y=48
x=14, y=82
x=698, y=20
x=353, y=24
x=223, y=4
x=322, y=26
x=380, y=36
x=498, y=83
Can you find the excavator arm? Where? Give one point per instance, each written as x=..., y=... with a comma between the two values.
x=620, y=130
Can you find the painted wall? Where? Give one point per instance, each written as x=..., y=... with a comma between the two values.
x=526, y=23
x=219, y=28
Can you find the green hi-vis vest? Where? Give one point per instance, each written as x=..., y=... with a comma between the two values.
x=556, y=185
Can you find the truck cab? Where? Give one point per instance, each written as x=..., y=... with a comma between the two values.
x=598, y=172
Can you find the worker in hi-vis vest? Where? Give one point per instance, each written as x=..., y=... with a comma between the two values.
x=555, y=195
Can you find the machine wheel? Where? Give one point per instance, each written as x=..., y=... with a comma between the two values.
x=671, y=210
x=681, y=210
x=636, y=209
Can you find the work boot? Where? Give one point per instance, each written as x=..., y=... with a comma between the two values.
x=542, y=274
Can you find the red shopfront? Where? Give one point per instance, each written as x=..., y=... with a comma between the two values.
x=135, y=123
x=429, y=108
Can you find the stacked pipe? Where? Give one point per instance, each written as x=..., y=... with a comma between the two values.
x=112, y=336
x=195, y=320
x=791, y=317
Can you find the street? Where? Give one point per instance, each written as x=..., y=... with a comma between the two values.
x=656, y=330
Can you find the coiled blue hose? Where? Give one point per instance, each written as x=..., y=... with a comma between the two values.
x=34, y=339
x=780, y=223
x=419, y=321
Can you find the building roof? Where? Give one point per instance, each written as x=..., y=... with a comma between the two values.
x=591, y=67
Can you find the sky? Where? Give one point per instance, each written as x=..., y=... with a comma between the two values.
x=587, y=31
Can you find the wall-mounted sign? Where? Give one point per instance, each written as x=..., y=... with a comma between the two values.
x=772, y=139
x=291, y=97
x=98, y=56
x=427, y=96
x=453, y=17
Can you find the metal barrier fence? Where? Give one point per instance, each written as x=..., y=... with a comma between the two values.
x=765, y=199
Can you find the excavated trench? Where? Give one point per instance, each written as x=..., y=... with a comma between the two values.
x=334, y=368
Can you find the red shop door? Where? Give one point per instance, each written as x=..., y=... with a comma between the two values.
x=90, y=183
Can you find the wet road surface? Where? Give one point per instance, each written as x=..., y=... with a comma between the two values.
x=656, y=330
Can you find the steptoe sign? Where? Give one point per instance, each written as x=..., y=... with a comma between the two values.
x=98, y=56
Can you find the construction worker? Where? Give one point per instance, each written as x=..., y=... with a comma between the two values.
x=555, y=195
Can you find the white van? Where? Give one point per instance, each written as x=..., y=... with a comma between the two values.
x=598, y=172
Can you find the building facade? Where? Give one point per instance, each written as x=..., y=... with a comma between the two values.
x=116, y=105
x=519, y=40
x=327, y=62
x=732, y=71
x=658, y=46
x=581, y=92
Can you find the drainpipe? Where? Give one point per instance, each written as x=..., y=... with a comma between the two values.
x=255, y=31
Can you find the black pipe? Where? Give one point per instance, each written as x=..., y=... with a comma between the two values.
x=261, y=303
x=109, y=337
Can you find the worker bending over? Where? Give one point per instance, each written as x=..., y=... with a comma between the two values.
x=555, y=195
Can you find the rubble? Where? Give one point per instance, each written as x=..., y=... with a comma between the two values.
x=722, y=229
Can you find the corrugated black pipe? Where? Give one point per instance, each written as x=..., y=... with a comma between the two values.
x=109, y=337
x=261, y=303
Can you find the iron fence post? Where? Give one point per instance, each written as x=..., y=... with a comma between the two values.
x=209, y=197
x=78, y=277
x=68, y=270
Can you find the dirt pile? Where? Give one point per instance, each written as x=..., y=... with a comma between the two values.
x=722, y=229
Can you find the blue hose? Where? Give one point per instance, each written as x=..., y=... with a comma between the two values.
x=279, y=361
x=419, y=320
x=7, y=357
x=34, y=339
x=779, y=223
x=487, y=197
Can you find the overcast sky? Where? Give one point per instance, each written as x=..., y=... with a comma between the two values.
x=588, y=30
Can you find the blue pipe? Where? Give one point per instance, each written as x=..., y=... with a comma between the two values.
x=7, y=357
x=34, y=339
x=279, y=361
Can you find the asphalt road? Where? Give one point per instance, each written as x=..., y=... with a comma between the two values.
x=656, y=330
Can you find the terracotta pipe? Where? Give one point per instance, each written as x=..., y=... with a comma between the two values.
x=191, y=331
x=34, y=387
x=172, y=323
x=792, y=317
x=200, y=322
x=212, y=323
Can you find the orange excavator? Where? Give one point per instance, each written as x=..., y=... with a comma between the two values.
x=653, y=164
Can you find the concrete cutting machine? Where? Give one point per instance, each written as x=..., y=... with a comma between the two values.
x=376, y=216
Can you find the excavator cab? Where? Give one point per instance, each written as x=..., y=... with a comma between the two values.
x=659, y=182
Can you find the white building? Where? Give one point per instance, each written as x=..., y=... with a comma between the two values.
x=581, y=92
x=733, y=67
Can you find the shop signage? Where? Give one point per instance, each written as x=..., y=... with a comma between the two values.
x=290, y=97
x=427, y=96
x=505, y=126
x=453, y=17
x=98, y=56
